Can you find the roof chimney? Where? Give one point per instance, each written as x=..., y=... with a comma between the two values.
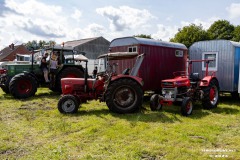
x=11, y=46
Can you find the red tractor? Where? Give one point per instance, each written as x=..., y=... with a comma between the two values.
x=187, y=88
x=123, y=93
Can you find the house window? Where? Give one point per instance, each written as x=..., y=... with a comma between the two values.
x=179, y=53
x=212, y=66
x=132, y=49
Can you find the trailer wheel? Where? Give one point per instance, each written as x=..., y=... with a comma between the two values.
x=69, y=72
x=155, y=102
x=68, y=104
x=211, y=95
x=187, y=106
x=124, y=96
x=23, y=85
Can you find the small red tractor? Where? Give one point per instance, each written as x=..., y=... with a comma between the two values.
x=187, y=88
x=122, y=93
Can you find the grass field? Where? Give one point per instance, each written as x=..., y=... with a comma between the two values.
x=34, y=129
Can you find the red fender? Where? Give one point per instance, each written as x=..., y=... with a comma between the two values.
x=206, y=80
x=137, y=79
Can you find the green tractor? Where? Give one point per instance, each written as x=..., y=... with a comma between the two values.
x=22, y=80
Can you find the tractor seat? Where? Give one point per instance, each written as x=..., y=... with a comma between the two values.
x=194, y=77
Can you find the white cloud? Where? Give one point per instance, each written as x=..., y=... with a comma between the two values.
x=234, y=10
x=92, y=30
x=125, y=18
x=205, y=24
x=77, y=14
x=33, y=8
x=32, y=20
x=165, y=32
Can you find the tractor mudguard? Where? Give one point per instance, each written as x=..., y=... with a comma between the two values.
x=120, y=76
x=206, y=80
x=33, y=75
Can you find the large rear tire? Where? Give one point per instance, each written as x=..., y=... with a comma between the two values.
x=124, y=96
x=68, y=104
x=211, y=95
x=69, y=72
x=155, y=102
x=23, y=85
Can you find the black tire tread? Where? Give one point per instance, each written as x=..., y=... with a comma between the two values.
x=206, y=98
x=63, y=98
x=110, y=97
x=13, y=85
x=154, y=102
x=183, y=107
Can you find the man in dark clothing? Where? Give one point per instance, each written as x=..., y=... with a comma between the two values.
x=44, y=66
x=94, y=72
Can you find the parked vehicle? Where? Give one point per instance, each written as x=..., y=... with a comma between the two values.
x=22, y=80
x=122, y=93
x=227, y=56
x=187, y=88
x=161, y=59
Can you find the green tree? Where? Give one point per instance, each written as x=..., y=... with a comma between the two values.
x=221, y=29
x=38, y=45
x=143, y=36
x=236, y=34
x=42, y=43
x=190, y=34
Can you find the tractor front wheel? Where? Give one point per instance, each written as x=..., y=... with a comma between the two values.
x=211, y=95
x=155, y=102
x=187, y=106
x=5, y=88
x=23, y=85
x=124, y=96
x=68, y=104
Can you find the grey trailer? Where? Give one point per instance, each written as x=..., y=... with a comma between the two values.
x=226, y=65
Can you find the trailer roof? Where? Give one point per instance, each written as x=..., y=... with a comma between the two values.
x=119, y=55
x=235, y=44
x=136, y=40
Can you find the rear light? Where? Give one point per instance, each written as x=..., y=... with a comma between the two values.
x=3, y=71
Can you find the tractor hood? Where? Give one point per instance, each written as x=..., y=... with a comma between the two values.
x=175, y=82
x=119, y=55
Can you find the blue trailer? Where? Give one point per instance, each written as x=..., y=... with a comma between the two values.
x=226, y=65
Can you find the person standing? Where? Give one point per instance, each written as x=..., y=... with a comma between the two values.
x=44, y=67
x=94, y=72
x=53, y=67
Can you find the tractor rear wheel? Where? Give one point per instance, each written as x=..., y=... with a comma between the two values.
x=23, y=85
x=124, y=96
x=68, y=104
x=187, y=106
x=69, y=72
x=155, y=102
x=211, y=95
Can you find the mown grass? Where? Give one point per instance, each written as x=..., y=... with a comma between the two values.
x=34, y=129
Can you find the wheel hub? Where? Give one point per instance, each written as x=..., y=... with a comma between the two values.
x=213, y=95
x=124, y=97
x=68, y=106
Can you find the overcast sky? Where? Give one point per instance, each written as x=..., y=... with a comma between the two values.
x=26, y=20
